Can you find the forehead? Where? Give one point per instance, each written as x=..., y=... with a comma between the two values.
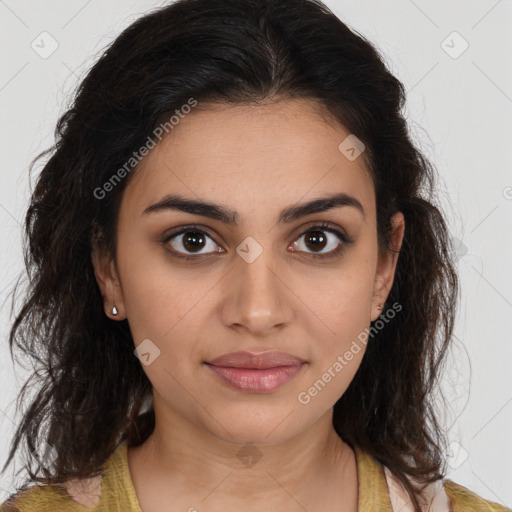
x=252, y=157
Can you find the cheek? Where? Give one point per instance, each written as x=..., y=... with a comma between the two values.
x=347, y=317
x=337, y=319
x=342, y=297
x=151, y=297
x=338, y=346
x=156, y=307
x=163, y=304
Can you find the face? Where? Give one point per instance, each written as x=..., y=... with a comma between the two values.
x=257, y=273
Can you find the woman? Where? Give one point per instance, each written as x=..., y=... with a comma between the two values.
x=240, y=286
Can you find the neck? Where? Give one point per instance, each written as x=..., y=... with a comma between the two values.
x=192, y=466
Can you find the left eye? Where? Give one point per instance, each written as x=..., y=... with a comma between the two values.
x=317, y=238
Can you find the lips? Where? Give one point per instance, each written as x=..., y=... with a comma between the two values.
x=261, y=361
x=256, y=373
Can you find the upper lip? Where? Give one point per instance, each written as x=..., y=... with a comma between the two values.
x=259, y=361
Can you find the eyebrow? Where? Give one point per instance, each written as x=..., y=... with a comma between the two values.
x=231, y=217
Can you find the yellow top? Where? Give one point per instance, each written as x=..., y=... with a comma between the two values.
x=113, y=491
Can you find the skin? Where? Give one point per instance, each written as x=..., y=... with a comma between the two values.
x=255, y=160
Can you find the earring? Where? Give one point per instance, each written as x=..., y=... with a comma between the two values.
x=114, y=311
x=380, y=306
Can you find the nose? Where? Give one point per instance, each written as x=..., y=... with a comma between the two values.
x=257, y=296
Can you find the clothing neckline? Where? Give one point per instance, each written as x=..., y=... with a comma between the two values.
x=371, y=481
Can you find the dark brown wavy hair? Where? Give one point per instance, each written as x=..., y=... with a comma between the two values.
x=91, y=389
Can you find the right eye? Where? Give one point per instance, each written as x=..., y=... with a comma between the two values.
x=189, y=241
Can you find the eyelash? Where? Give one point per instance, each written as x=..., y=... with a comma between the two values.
x=324, y=226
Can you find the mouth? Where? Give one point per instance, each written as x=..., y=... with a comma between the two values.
x=256, y=372
x=253, y=380
x=257, y=361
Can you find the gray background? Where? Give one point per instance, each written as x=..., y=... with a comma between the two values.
x=459, y=110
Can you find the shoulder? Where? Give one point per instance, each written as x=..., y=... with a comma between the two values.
x=54, y=498
x=441, y=495
x=109, y=489
x=464, y=500
x=39, y=498
x=70, y=496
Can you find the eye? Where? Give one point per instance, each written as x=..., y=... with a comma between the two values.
x=191, y=241
x=318, y=238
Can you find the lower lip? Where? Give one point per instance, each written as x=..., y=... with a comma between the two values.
x=256, y=381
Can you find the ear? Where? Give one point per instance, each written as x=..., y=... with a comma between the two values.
x=106, y=274
x=386, y=266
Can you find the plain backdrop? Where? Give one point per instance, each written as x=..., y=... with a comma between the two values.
x=454, y=60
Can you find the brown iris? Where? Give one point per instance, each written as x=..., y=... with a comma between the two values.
x=193, y=241
x=316, y=240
